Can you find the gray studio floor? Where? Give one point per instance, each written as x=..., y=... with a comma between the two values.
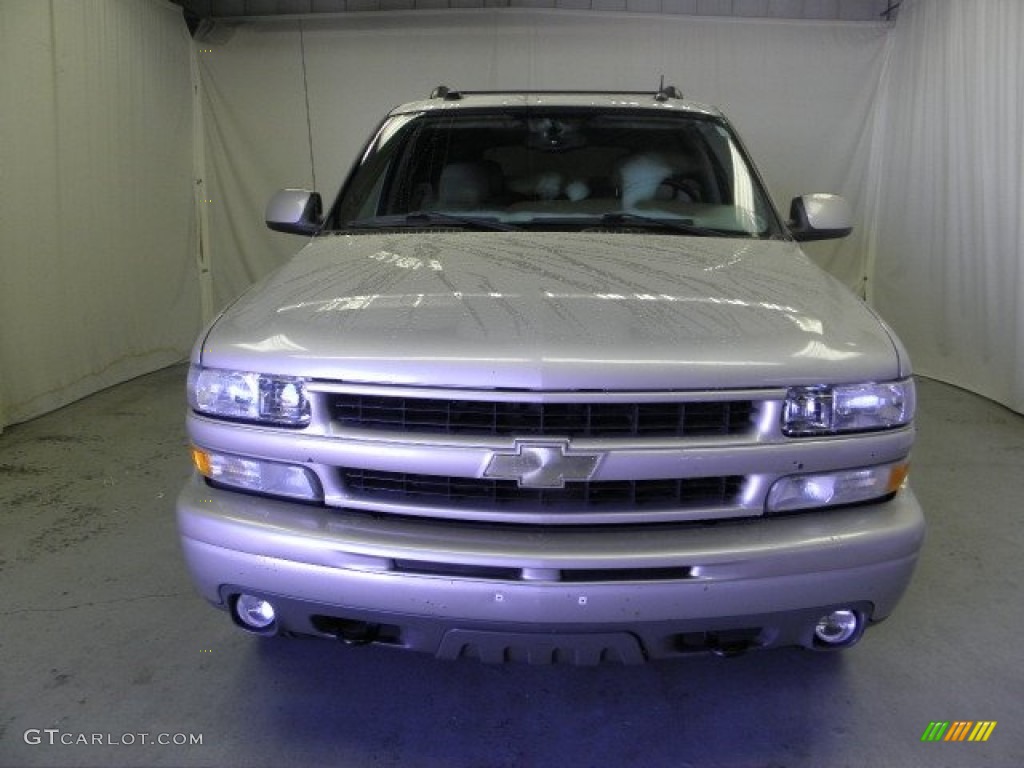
x=103, y=639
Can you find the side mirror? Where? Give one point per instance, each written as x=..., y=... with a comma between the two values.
x=296, y=211
x=820, y=217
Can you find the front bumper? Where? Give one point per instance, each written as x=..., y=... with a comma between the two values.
x=502, y=592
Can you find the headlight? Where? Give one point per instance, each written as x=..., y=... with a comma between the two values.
x=834, y=489
x=248, y=396
x=848, y=408
x=267, y=477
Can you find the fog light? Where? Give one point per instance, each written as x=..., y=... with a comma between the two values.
x=254, y=612
x=838, y=628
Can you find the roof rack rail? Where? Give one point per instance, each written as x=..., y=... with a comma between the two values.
x=446, y=93
x=664, y=93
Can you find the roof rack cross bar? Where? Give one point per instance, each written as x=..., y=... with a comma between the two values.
x=450, y=94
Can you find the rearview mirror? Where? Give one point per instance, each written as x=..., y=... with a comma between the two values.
x=296, y=211
x=820, y=217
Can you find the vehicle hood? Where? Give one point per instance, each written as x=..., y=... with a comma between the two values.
x=553, y=311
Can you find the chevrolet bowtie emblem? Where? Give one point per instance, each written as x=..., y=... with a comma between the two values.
x=541, y=464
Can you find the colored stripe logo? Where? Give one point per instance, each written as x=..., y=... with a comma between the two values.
x=958, y=730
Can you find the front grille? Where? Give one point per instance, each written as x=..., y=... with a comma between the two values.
x=459, y=491
x=519, y=419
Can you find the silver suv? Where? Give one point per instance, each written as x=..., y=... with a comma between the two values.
x=552, y=381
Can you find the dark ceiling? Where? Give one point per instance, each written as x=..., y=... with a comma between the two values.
x=828, y=10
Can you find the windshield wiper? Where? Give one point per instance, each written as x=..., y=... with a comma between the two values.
x=674, y=225
x=427, y=219
x=476, y=222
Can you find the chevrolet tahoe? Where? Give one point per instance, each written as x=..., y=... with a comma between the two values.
x=552, y=381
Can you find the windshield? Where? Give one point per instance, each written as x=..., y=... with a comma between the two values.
x=555, y=169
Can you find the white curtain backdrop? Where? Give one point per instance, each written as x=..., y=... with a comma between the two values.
x=801, y=94
x=949, y=175
x=97, y=227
